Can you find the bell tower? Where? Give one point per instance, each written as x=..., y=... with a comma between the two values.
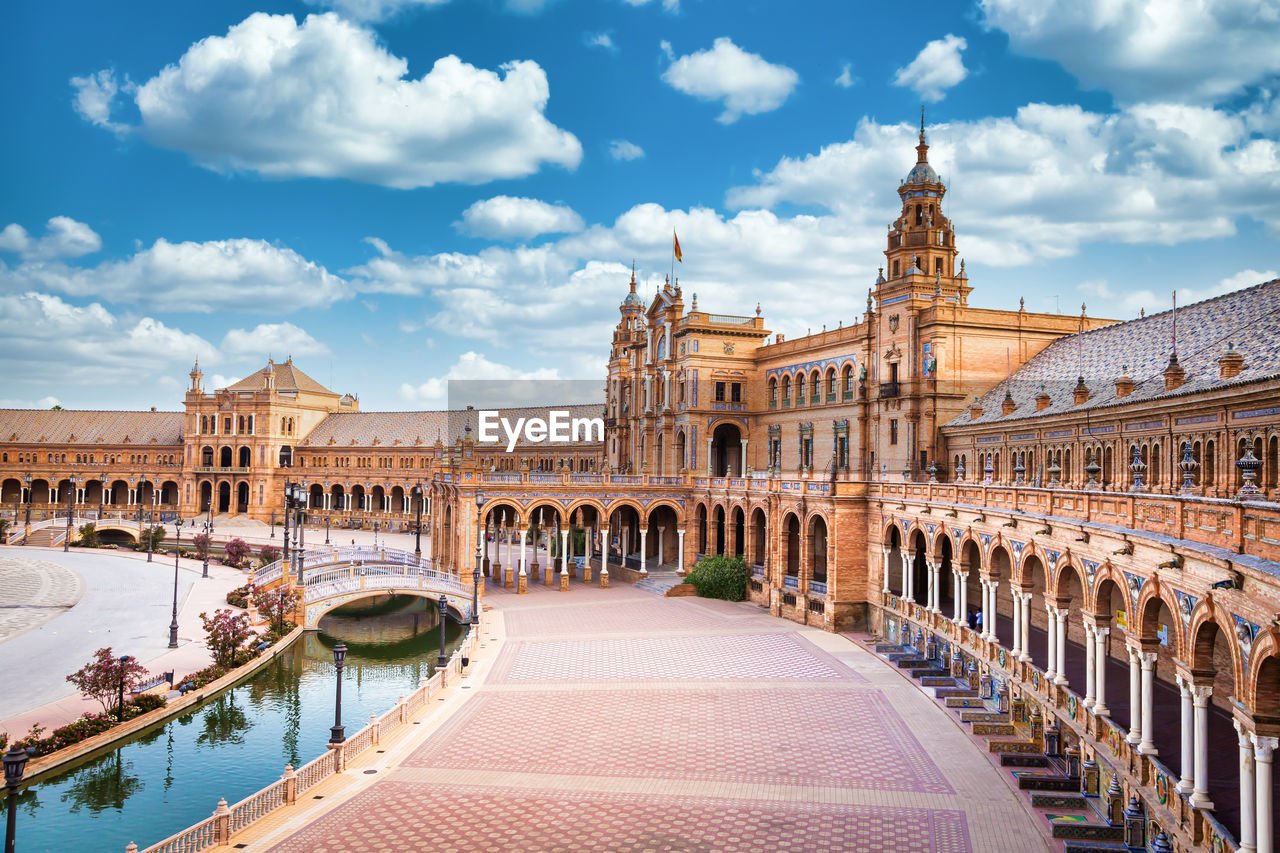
x=921, y=252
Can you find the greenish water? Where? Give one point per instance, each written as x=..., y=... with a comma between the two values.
x=167, y=778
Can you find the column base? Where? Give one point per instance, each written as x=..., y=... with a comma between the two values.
x=564, y=581
x=604, y=579
x=1132, y=739
x=547, y=574
x=1185, y=787
x=586, y=572
x=523, y=586
x=509, y=579
x=1201, y=801
x=1147, y=749
x=1100, y=710
x=1060, y=680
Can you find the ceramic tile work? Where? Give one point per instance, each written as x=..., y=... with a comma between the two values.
x=1248, y=319
x=397, y=817
x=742, y=656
x=845, y=739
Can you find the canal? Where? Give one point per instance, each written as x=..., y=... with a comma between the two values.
x=166, y=778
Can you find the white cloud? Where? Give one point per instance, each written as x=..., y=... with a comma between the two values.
x=324, y=99
x=601, y=40
x=42, y=403
x=236, y=275
x=935, y=69
x=375, y=10
x=1151, y=301
x=672, y=6
x=434, y=392
x=846, y=80
x=219, y=380
x=621, y=149
x=744, y=81
x=95, y=97
x=507, y=218
x=1191, y=50
x=64, y=238
x=278, y=340
x=45, y=340
x=1045, y=181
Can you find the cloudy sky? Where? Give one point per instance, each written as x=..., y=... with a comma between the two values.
x=397, y=192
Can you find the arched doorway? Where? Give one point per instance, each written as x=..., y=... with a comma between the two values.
x=206, y=497
x=224, y=457
x=701, y=529
x=246, y=457
x=818, y=549
x=1001, y=570
x=759, y=538
x=224, y=497
x=242, y=497
x=717, y=526
x=726, y=451
x=738, y=532
x=895, y=562
x=792, y=545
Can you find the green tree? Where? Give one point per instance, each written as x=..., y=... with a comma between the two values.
x=225, y=632
x=268, y=554
x=88, y=536
x=276, y=605
x=101, y=678
x=236, y=552
x=720, y=577
x=155, y=534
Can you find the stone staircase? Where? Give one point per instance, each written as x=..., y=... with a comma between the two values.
x=1078, y=820
x=45, y=536
x=659, y=582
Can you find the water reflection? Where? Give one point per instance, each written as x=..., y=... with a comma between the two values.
x=173, y=775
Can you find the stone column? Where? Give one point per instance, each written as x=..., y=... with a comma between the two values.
x=1050, y=666
x=964, y=598
x=1100, y=667
x=643, y=571
x=524, y=534
x=1019, y=641
x=604, y=559
x=1024, y=654
x=1090, y=657
x=931, y=590
x=679, y=550
x=1263, y=749
x=662, y=531
x=742, y=461
x=1135, y=697
x=564, y=551
x=886, y=570
x=1187, y=783
x=988, y=612
x=1146, y=746
x=710, y=441
x=1200, y=694
x=1060, y=646
x=906, y=576
x=1248, y=792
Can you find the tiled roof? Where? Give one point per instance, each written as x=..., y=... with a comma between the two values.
x=362, y=429
x=61, y=426
x=1248, y=319
x=288, y=378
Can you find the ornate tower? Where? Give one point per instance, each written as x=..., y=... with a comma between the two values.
x=196, y=377
x=921, y=251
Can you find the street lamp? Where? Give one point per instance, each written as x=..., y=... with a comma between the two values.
x=29, y=496
x=294, y=495
x=208, y=542
x=71, y=510
x=124, y=660
x=417, y=536
x=285, y=555
x=336, y=734
x=177, y=548
x=475, y=574
x=151, y=521
x=15, y=764
x=441, y=660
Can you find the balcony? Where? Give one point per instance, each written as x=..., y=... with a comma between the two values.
x=215, y=469
x=889, y=389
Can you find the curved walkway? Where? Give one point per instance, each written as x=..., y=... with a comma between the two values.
x=616, y=720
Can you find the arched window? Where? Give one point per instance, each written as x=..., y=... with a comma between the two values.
x=848, y=381
x=786, y=390
x=773, y=391
x=800, y=399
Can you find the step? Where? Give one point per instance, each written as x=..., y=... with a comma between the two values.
x=984, y=716
x=964, y=702
x=1025, y=747
x=956, y=693
x=1024, y=760
x=887, y=648
x=994, y=729
x=1059, y=801
x=926, y=672
x=1094, y=847
x=1084, y=831
x=937, y=681
x=1028, y=781
x=909, y=663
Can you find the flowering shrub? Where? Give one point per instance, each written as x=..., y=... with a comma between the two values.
x=236, y=553
x=268, y=554
x=225, y=633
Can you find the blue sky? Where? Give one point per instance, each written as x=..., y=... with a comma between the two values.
x=399, y=192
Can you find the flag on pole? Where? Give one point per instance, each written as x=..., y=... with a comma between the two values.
x=677, y=247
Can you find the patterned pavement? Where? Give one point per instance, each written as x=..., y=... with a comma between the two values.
x=708, y=727
x=32, y=592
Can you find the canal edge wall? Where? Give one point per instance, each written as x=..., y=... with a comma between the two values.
x=45, y=765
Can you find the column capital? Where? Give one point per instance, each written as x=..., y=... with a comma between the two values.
x=1243, y=732
x=1148, y=659
x=1263, y=747
x=1200, y=693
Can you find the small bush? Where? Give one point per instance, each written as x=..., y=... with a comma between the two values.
x=268, y=555
x=236, y=552
x=88, y=536
x=239, y=597
x=143, y=703
x=720, y=577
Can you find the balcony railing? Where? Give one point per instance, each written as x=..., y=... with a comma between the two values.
x=889, y=389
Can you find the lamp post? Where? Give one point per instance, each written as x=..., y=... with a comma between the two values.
x=177, y=548
x=15, y=764
x=475, y=573
x=28, y=521
x=293, y=502
x=151, y=520
x=326, y=530
x=336, y=734
x=71, y=510
x=208, y=543
x=441, y=660
x=273, y=524
x=417, y=536
x=124, y=659
x=285, y=556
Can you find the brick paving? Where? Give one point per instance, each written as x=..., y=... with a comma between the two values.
x=708, y=727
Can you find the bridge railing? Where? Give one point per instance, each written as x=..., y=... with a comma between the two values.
x=216, y=830
x=326, y=556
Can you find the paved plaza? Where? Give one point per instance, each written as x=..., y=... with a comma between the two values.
x=606, y=720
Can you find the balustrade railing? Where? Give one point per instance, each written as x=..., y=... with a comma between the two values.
x=217, y=830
